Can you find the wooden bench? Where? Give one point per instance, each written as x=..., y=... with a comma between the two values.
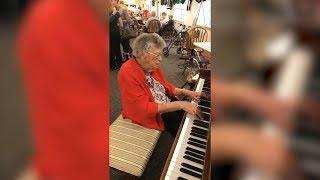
x=131, y=146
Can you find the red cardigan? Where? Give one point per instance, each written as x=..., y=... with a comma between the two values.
x=137, y=101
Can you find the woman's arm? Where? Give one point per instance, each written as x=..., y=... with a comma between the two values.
x=184, y=92
x=177, y=105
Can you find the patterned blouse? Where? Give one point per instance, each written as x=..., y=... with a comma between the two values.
x=157, y=89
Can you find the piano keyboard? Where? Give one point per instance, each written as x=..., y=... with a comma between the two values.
x=188, y=159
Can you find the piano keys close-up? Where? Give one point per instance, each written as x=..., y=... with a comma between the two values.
x=266, y=90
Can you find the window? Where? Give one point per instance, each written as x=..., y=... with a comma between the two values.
x=163, y=8
x=180, y=11
x=204, y=9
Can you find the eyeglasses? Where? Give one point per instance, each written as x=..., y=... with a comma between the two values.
x=156, y=56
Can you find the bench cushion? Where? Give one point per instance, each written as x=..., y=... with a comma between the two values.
x=131, y=146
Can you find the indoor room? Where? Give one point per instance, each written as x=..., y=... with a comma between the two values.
x=138, y=148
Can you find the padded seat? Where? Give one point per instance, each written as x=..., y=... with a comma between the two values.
x=131, y=146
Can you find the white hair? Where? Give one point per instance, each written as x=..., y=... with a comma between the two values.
x=144, y=41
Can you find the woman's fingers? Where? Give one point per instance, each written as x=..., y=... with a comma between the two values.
x=194, y=108
x=191, y=108
x=195, y=95
x=199, y=113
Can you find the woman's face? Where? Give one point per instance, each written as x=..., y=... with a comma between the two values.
x=151, y=59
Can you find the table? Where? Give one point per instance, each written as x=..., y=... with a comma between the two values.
x=204, y=45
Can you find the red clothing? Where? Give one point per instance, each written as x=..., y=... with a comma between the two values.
x=137, y=100
x=63, y=55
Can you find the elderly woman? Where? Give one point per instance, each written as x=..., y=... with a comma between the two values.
x=146, y=95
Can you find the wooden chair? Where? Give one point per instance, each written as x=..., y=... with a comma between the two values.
x=195, y=34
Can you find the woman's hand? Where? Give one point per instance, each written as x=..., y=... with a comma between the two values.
x=190, y=108
x=192, y=94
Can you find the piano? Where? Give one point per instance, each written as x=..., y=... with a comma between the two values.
x=189, y=157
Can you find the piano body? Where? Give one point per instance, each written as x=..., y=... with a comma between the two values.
x=189, y=157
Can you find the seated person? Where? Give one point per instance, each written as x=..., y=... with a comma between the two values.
x=169, y=25
x=147, y=97
x=152, y=17
x=163, y=18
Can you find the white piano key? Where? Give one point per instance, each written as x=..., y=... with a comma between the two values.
x=182, y=134
x=200, y=85
x=177, y=163
x=184, y=146
x=181, y=159
x=175, y=177
x=175, y=174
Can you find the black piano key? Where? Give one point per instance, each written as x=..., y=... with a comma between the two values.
x=198, y=135
x=197, y=126
x=199, y=132
x=194, y=155
x=200, y=129
x=196, y=144
x=197, y=141
x=186, y=165
x=181, y=178
x=205, y=89
x=199, y=121
x=193, y=159
x=205, y=103
x=191, y=173
x=205, y=99
x=205, y=132
x=201, y=124
x=207, y=84
x=204, y=109
x=195, y=151
x=206, y=116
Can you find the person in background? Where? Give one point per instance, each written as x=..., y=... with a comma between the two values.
x=147, y=97
x=152, y=17
x=126, y=33
x=115, y=23
x=163, y=18
x=167, y=26
x=145, y=14
x=63, y=58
